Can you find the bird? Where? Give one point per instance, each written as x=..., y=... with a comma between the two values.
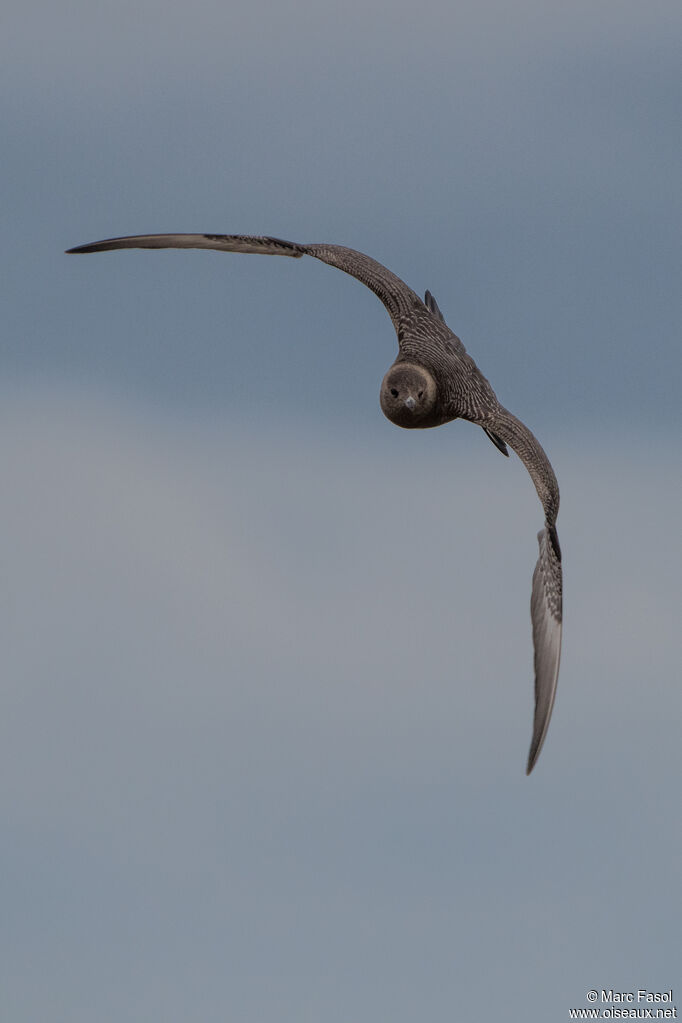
x=432, y=381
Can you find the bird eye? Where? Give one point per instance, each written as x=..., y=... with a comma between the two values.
x=394, y=392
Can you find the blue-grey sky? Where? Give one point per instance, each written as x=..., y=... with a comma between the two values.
x=267, y=674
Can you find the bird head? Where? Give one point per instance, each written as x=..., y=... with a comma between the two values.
x=409, y=396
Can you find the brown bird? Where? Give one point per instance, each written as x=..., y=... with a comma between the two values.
x=432, y=381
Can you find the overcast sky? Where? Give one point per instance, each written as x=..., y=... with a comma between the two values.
x=268, y=666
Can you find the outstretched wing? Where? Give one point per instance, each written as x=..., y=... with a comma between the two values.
x=546, y=596
x=222, y=242
x=398, y=299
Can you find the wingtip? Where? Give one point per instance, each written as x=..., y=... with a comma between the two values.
x=532, y=761
x=77, y=249
x=546, y=617
x=537, y=743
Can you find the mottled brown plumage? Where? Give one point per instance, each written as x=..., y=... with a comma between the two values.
x=432, y=381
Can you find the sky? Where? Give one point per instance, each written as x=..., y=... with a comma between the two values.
x=267, y=687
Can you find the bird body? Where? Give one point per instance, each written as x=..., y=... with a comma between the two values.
x=432, y=381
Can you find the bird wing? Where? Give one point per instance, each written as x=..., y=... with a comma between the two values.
x=546, y=596
x=222, y=242
x=398, y=299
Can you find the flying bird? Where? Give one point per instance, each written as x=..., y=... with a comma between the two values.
x=432, y=381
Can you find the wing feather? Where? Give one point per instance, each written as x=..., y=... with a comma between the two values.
x=398, y=299
x=222, y=242
x=546, y=597
x=432, y=306
x=546, y=618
